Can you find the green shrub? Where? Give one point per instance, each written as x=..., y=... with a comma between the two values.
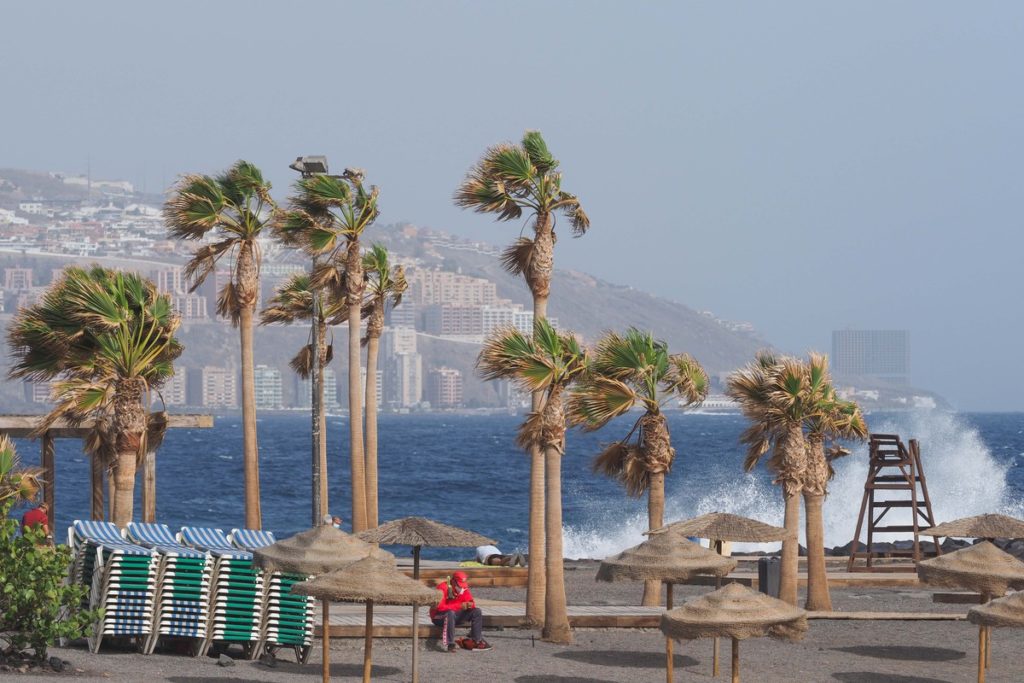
x=36, y=607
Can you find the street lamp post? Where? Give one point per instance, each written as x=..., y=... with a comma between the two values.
x=310, y=166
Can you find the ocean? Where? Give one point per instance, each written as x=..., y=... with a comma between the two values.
x=466, y=470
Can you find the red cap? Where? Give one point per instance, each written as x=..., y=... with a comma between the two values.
x=460, y=577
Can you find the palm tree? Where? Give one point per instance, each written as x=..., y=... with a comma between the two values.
x=327, y=217
x=294, y=302
x=17, y=483
x=234, y=209
x=637, y=370
x=774, y=394
x=546, y=362
x=833, y=418
x=385, y=287
x=107, y=337
x=508, y=181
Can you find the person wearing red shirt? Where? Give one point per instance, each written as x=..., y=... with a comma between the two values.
x=457, y=606
x=37, y=516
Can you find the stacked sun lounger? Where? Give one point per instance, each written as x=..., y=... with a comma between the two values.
x=288, y=619
x=121, y=577
x=182, y=586
x=236, y=591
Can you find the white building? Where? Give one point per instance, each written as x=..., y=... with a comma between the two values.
x=267, y=387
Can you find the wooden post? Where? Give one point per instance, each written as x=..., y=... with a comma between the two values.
x=714, y=641
x=368, y=645
x=670, y=656
x=96, y=471
x=735, y=661
x=49, y=477
x=415, y=618
x=981, y=654
x=325, y=640
x=149, y=487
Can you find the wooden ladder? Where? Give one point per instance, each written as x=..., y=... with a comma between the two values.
x=892, y=467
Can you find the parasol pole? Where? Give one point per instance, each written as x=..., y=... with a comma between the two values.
x=415, y=618
x=325, y=639
x=368, y=645
x=714, y=641
x=981, y=654
x=669, y=663
x=735, y=661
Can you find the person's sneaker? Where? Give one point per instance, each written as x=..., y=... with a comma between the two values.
x=453, y=647
x=467, y=643
x=481, y=645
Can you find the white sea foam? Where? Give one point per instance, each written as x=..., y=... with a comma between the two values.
x=963, y=479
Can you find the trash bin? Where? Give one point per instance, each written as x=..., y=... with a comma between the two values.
x=769, y=575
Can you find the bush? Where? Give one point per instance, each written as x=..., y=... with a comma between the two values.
x=36, y=606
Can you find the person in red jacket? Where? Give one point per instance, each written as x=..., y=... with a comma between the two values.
x=37, y=516
x=457, y=606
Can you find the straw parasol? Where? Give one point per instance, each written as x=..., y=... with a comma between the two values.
x=666, y=555
x=983, y=568
x=419, y=532
x=724, y=526
x=981, y=526
x=369, y=580
x=1008, y=611
x=735, y=612
x=317, y=551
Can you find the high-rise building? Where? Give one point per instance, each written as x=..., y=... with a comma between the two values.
x=38, y=392
x=189, y=306
x=169, y=280
x=17, y=279
x=217, y=388
x=304, y=391
x=175, y=390
x=405, y=315
x=403, y=380
x=433, y=287
x=397, y=340
x=444, y=388
x=872, y=354
x=267, y=387
x=449, y=320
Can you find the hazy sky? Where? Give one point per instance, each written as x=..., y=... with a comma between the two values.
x=803, y=166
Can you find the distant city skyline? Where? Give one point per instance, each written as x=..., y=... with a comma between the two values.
x=802, y=166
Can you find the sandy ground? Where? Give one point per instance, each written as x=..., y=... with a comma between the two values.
x=844, y=651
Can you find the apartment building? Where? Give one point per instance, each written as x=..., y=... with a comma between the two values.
x=444, y=388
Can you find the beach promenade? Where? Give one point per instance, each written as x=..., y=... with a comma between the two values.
x=897, y=649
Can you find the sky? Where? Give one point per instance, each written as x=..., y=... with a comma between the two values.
x=802, y=166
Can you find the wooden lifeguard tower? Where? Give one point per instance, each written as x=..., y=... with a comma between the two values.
x=896, y=469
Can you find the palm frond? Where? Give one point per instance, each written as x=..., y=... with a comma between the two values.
x=516, y=257
x=597, y=400
x=538, y=153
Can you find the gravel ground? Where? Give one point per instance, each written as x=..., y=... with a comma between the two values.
x=844, y=651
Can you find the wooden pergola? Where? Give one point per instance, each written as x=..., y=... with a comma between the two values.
x=22, y=427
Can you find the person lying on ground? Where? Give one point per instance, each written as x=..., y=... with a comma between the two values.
x=490, y=555
x=457, y=606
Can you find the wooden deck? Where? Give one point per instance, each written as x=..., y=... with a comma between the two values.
x=348, y=620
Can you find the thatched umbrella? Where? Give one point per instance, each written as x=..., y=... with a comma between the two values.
x=980, y=526
x=320, y=550
x=983, y=568
x=419, y=532
x=1008, y=611
x=723, y=526
x=369, y=580
x=667, y=556
x=735, y=612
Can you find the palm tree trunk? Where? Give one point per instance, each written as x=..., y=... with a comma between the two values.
x=355, y=421
x=818, y=597
x=790, y=550
x=815, y=488
x=556, y=618
x=124, y=488
x=325, y=505
x=372, y=350
x=250, y=451
x=536, y=583
x=655, y=520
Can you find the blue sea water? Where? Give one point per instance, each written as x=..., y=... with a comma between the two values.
x=466, y=470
